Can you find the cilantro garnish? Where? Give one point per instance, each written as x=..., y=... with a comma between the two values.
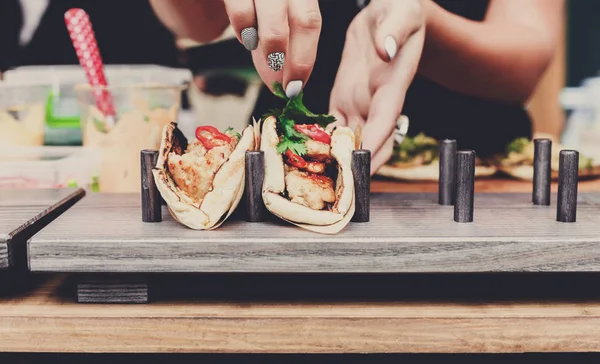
x=294, y=113
x=233, y=132
x=517, y=145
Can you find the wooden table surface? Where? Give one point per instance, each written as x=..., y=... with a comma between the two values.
x=45, y=321
x=481, y=185
x=48, y=319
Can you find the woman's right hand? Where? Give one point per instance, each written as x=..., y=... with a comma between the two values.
x=282, y=35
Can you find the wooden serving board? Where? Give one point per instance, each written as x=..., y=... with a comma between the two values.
x=23, y=212
x=408, y=233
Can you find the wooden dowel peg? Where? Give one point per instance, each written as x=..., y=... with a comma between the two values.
x=447, y=174
x=542, y=171
x=361, y=170
x=568, y=178
x=465, y=186
x=255, y=175
x=151, y=198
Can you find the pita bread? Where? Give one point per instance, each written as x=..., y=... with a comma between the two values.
x=525, y=172
x=522, y=167
x=429, y=172
x=228, y=183
x=342, y=145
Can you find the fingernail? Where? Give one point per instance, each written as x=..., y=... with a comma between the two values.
x=275, y=61
x=391, y=47
x=250, y=38
x=403, y=124
x=293, y=88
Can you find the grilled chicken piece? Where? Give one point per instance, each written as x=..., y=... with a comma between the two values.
x=315, y=167
x=310, y=190
x=193, y=172
x=318, y=151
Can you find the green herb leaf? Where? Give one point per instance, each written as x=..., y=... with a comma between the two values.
x=294, y=112
x=279, y=91
x=233, y=132
x=517, y=145
x=296, y=147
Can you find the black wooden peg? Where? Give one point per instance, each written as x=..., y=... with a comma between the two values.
x=447, y=174
x=542, y=171
x=255, y=175
x=465, y=186
x=568, y=178
x=361, y=170
x=151, y=198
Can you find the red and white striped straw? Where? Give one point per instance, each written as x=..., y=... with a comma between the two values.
x=84, y=41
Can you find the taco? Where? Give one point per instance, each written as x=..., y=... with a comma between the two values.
x=518, y=161
x=202, y=181
x=308, y=170
x=417, y=159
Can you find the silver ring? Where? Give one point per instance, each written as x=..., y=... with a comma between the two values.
x=401, y=129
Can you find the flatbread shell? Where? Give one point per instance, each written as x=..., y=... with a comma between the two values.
x=429, y=172
x=228, y=183
x=342, y=145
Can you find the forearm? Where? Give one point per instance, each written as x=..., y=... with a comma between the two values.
x=199, y=20
x=487, y=59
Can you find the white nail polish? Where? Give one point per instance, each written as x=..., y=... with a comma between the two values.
x=391, y=47
x=293, y=88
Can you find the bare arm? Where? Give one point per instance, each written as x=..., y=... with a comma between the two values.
x=199, y=20
x=501, y=58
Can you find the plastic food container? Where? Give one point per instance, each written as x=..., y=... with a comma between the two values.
x=48, y=167
x=582, y=127
x=22, y=114
x=62, y=117
x=142, y=111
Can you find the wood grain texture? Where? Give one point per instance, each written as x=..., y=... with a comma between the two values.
x=46, y=322
x=566, y=210
x=151, y=198
x=447, y=174
x=255, y=175
x=408, y=233
x=465, y=186
x=361, y=170
x=23, y=212
x=489, y=185
x=3, y=254
x=112, y=290
x=542, y=171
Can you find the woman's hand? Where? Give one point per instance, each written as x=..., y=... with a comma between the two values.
x=381, y=55
x=283, y=36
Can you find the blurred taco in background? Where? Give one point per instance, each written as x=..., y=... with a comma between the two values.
x=518, y=161
x=417, y=159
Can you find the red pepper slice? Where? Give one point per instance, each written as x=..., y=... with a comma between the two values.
x=295, y=160
x=314, y=131
x=209, y=136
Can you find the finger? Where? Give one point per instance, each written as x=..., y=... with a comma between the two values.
x=388, y=100
x=273, y=31
x=340, y=120
x=304, y=17
x=390, y=28
x=242, y=17
x=385, y=111
x=341, y=97
x=383, y=155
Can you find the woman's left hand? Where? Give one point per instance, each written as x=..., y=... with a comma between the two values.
x=381, y=55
